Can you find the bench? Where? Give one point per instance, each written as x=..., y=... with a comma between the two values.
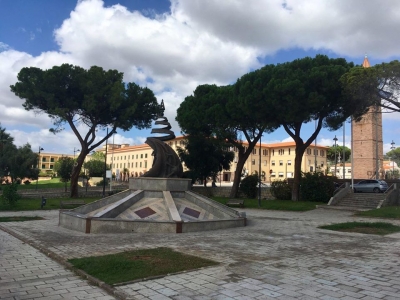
x=239, y=202
x=64, y=203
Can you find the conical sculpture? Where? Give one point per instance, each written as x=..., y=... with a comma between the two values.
x=166, y=162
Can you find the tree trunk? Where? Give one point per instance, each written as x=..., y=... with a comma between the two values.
x=75, y=174
x=297, y=173
x=238, y=174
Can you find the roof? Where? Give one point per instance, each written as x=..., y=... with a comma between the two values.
x=366, y=63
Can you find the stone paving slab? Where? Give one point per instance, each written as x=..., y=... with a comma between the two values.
x=26, y=273
x=279, y=255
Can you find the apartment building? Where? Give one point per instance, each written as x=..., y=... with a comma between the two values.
x=48, y=160
x=276, y=161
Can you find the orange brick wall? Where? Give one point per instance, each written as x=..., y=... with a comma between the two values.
x=366, y=133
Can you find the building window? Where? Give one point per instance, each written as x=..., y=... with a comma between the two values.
x=273, y=174
x=145, y=156
x=281, y=162
x=254, y=151
x=253, y=161
x=348, y=170
x=124, y=165
x=315, y=151
x=51, y=167
x=140, y=164
x=265, y=152
x=43, y=166
x=273, y=152
x=43, y=159
x=125, y=157
x=265, y=162
x=308, y=151
x=322, y=165
x=289, y=151
x=281, y=151
x=141, y=155
x=136, y=156
x=289, y=175
x=272, y=163
x=322, y=152
x=136, y=164
x=51, y=159
x=280, y=174
x=289, y=162
x=145, y=163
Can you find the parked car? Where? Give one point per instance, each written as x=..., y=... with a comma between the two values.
x=371, y=186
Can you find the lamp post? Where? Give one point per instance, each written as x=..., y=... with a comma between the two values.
x=335, y=139
x=77, y=150
x=105, y=168
x=37, y=179
x=259, y=176
x=2, y=141
x=344, y=151
x=392, y=148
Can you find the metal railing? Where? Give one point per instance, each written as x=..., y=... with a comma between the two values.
x=389, y=189
x=338, y=188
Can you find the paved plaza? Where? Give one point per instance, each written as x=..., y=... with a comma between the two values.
x=279, y=255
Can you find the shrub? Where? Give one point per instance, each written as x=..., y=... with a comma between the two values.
x=190, y=175
x=100, y=183
x=10, y=195
x=27, y=182
x=281, y=190
x=18, y=181
x=249, y=186
x=316, y=187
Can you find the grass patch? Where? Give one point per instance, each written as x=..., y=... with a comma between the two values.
x=43, y=184
x=389, y=212
x=287, y=205
x=19, y=219
x=364, y=227
x=25, y=204
x=138, y=264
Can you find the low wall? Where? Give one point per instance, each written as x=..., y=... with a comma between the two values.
x=392, y=199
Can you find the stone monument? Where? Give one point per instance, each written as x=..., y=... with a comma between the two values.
x=159, y=201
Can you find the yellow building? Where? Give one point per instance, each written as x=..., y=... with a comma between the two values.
x=48, y=160
x=277, y=160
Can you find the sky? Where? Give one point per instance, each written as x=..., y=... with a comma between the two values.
x=173, y=46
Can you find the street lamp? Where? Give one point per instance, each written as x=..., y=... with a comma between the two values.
x=335, y=139
x=392, y=148
x=37, y=179
x=259, y=175
x=77, y=150
x=105, y=168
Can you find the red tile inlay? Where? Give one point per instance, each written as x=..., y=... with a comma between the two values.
x=191, y=212
x=145, y=212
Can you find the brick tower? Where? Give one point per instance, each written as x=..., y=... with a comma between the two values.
x=367, y=143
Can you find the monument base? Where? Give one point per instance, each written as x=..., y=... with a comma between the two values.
x=152, y=205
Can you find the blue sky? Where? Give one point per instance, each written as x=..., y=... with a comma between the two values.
x=173, y=46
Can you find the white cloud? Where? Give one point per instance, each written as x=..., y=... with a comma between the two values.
x=4, y=46
x=344, y=27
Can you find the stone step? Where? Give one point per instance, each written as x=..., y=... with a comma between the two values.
x=366, y=205
x=359, y=203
